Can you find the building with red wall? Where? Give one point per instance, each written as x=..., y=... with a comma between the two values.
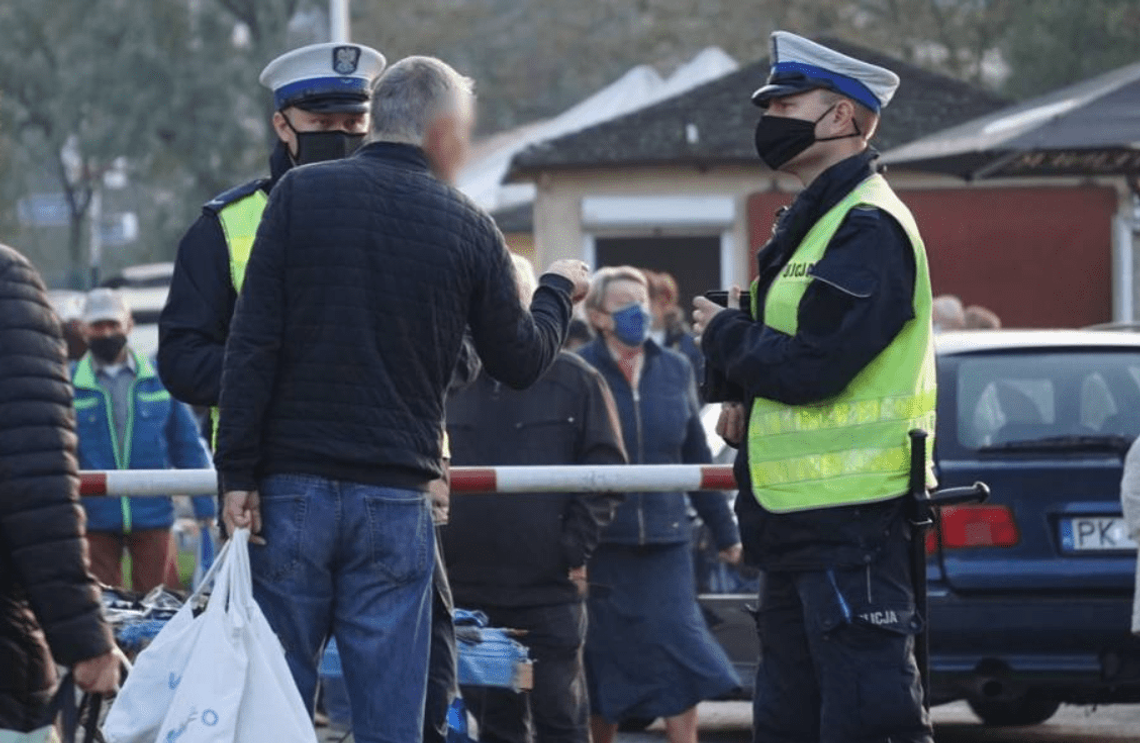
x=677, y=186
x=1039, y=256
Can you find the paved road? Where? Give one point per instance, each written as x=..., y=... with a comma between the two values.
x=728, y=722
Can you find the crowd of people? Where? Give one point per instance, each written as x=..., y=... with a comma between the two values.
x=950, y=315
x=356, y=326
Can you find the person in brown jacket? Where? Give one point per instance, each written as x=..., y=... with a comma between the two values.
x=49, y=603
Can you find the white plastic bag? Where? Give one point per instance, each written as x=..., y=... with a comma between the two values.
x=204, y=554
x=141, y=705
x=234, y=684
x=206, y=703
x=272, y=708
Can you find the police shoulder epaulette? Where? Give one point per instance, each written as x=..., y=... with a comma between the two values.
x=225, y=198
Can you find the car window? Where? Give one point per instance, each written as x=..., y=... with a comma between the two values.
x=1004, y=399
x=1097, y=402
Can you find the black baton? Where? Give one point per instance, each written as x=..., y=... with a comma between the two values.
x=923, y=510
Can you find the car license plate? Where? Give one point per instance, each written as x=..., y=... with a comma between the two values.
x=1096, y=534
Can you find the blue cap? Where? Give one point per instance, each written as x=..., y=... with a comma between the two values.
x=328, y=77
x=800, y=65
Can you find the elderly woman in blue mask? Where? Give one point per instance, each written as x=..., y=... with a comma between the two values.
x=649, y=653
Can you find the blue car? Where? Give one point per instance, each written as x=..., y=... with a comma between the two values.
x=1031, y=592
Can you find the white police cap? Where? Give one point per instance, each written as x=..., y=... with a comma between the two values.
x=800, y=65
x=330, y=77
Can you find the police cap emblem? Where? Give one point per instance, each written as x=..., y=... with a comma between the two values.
x=346, y=59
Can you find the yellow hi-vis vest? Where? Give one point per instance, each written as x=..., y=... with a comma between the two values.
x=853, y=448
x=239, y=220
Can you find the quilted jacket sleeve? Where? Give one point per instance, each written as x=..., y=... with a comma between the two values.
x=42, y=552
x=517, y=347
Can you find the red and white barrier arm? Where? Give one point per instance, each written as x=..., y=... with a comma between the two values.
x=560, y=479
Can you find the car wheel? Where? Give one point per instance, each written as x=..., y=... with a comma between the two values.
x=1014, y=712
x=636, y=724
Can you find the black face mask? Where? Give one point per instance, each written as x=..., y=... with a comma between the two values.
x=780, y=139
x=107, y=348
x=319, y=147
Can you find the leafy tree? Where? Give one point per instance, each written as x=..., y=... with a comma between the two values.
x=1052, y=43
x=66, y=98
x=171, y=85
x=214, y=131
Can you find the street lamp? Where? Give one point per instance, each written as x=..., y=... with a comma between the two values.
x=339, y=23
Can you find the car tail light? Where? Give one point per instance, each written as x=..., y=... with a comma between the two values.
x=976, y=526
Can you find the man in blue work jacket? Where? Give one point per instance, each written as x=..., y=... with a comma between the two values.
x=127, y=420
x=834, y=366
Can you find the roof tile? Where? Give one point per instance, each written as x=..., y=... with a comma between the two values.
x=713, y=124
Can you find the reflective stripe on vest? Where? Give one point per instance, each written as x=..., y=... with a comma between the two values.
x=853, y=448
x=239, y=220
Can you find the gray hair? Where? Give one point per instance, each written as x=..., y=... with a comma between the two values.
x=524, y=275
x=413, y=93
x=948, y=313
x=600, y=284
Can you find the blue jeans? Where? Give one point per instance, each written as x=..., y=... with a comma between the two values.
x=355, y=562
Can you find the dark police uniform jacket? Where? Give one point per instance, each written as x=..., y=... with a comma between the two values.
x=863, y=296
x=195, y=323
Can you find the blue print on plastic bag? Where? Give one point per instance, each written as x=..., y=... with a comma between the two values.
x=209, y=718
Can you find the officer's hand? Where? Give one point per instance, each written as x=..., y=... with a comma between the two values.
x=242, y=510
x=577, y=272
x=99, y=675
x=705, y=310
x=730, y=425
x=578, y=577
x=733, y=555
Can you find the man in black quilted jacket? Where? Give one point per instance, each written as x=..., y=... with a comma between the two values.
x=46, y=591
x=364, y=275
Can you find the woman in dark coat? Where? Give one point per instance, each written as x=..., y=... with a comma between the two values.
x=46, y=592
x=649, y=653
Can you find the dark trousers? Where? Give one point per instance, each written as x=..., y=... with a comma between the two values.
x=442, y=662
x=556, y=710
x=837, y=663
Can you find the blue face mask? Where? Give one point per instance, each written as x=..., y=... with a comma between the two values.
x=632, y=325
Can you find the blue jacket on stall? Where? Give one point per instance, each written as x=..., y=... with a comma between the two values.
x=661, y=424
x=161, y=434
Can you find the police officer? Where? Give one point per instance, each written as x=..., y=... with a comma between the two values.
x=833, y=367
x=322, y=94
